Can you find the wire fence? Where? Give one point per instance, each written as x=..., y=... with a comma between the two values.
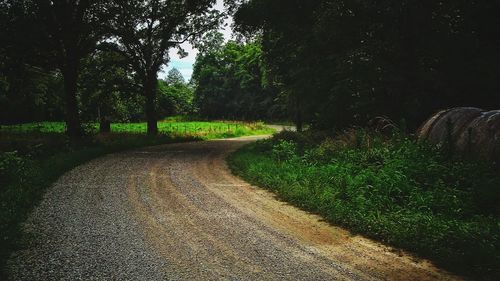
x=59, y=127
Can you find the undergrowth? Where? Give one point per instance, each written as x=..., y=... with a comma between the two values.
x=394, y=189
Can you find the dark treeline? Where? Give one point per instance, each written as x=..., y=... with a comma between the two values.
x=346, y=62
x=331, y=64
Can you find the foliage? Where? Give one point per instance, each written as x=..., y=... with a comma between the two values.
x=146, y=30
x=29, y=88
x=231, y=82
x=175, y=95
x=174, y=77
x=73, y=29
x=284, y=150
x=37, y=97
x=406, y=194
x=43, y=37
x=343, y=63
x=107, y=88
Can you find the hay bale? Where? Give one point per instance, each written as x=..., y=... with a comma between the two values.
x=469, y=131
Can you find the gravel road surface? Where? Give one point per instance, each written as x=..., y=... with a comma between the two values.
x=175, y=212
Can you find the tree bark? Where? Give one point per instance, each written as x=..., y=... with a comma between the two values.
x=70, y=75
x=104, y=125
x=298, y=115
x=150, y=89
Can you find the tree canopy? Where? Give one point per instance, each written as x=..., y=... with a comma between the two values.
x=146, y=30
x=59, y=41
x=328, y=63
x=346, y=62
x=175, y=95
x=232, y=82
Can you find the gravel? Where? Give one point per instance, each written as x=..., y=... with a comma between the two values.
x=175, y=212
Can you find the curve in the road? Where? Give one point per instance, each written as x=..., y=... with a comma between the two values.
x=175, y=212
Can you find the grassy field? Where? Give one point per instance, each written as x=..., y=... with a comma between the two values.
x=34, y=155
x=403, y=193
x=203, y=130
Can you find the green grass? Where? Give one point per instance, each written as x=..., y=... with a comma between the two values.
x=405, y=194
x=33, y=156
x=201, y=129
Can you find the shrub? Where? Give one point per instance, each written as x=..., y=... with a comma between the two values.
x=12, y=167
x=301, y=140
x=323, y=153
x=284, y=150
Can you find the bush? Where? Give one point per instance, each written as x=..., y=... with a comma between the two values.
x=301, y=140
x=11, y=167
x=284, y=150
x=324, y=152
x=20, y=179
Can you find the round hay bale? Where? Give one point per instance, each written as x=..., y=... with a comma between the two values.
x=466, y=130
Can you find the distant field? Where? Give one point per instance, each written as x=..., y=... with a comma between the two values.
x=205, y=130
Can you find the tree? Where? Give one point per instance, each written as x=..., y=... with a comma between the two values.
x=232, y=82
x=286, y=31
x=346, y=62
x=174, y=77
x=174, y=99
x=74, y=27
x=108, y=90
x=175, y=95
x=146, y=30
x=29, y=85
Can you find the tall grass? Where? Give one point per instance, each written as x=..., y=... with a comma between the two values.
x=404, y=193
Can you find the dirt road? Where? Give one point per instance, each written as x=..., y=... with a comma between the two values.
x=175, y=212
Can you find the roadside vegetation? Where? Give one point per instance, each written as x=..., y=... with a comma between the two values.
x=34, y=155
x=393, y=189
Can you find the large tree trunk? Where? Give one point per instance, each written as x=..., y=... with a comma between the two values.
x=150, y=89
x=70, y=74
x=104, y=126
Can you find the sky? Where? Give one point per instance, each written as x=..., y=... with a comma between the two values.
x=185, y=65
